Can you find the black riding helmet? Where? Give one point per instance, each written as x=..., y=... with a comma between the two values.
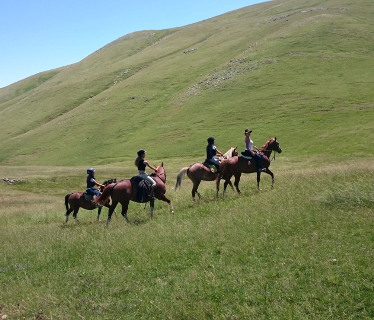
x=90, y=170
x=210, y=140
x=141, y=152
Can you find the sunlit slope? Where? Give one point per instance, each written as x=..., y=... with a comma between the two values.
x=298, y=70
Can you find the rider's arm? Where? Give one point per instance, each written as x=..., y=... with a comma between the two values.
x=152, y=167
x=219, y=152
x=98, y=184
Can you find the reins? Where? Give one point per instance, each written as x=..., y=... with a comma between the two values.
x=159, y=176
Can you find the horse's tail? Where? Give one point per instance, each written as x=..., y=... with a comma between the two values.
x=107, y=192
x=180, y=177
x=67, y=201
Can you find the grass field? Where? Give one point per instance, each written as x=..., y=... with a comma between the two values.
x=302, y=250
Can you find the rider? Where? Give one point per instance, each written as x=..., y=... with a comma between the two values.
x=141, y=163
x=91, y=183
x=248, y=152
x=211, y=152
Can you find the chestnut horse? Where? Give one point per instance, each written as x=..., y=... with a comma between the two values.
x=238, y=165
x=124, y=191
x=76, y=200
x=198, y=172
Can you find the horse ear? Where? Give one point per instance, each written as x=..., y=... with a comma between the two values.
x=162, y=164
x=275, y=138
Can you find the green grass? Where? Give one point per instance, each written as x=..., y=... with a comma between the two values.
x=302, y=250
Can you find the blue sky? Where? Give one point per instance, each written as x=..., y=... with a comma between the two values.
x=40, y=35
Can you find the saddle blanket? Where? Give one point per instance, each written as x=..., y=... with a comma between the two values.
x=143, y=188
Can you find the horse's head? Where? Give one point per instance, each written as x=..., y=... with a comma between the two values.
x=160, y=172
x=271, y=145
x=232, y=152
x=276, y=146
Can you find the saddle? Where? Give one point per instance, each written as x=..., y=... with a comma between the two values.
x=88, y=196
x=246, y=155
x=142, y=187
x=211, y=167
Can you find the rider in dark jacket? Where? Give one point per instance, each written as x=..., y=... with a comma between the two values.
x=211, y=152
x=91, y=183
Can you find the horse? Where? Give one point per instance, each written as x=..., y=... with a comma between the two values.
x=238, y=165
x=198, y=172
x=76, y=200
x=126, y=190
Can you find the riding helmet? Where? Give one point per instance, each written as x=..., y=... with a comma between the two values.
x=141, y=152
x=90, y=170
x=210, y=140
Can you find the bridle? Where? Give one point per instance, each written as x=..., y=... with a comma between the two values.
x=271, y=150
x=159, y=176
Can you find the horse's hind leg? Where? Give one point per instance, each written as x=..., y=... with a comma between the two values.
x=194, y=190
x=110, y=212
x=67, y=214
x=75, y=214
x=236, y=182
x=125, y=207
x=227, y=182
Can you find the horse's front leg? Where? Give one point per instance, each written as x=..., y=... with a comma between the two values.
x=166, y=199
x=268, y=171
x=218, y=181
x=98, y=213
x=227, y=182
x=258, y=180
x=152, y=207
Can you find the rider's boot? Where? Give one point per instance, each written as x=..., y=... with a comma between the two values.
x=151, y=194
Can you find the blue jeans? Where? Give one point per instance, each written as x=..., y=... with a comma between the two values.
x=93, y=191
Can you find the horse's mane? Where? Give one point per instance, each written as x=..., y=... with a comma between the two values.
x=266, y=145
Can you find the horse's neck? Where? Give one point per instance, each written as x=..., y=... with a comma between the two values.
x=228, y=154
x=158, y=176
x=265, y=149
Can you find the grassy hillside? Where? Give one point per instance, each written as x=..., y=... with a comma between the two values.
x=298, y=70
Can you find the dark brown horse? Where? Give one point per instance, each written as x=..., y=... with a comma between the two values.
x=238, y=165
x=76, y=200
x=124, y=191
x=198, y=172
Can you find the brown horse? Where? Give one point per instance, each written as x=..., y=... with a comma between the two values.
x=198, y=172
x=76, y=200
x=124, y=191
x=238, y=165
